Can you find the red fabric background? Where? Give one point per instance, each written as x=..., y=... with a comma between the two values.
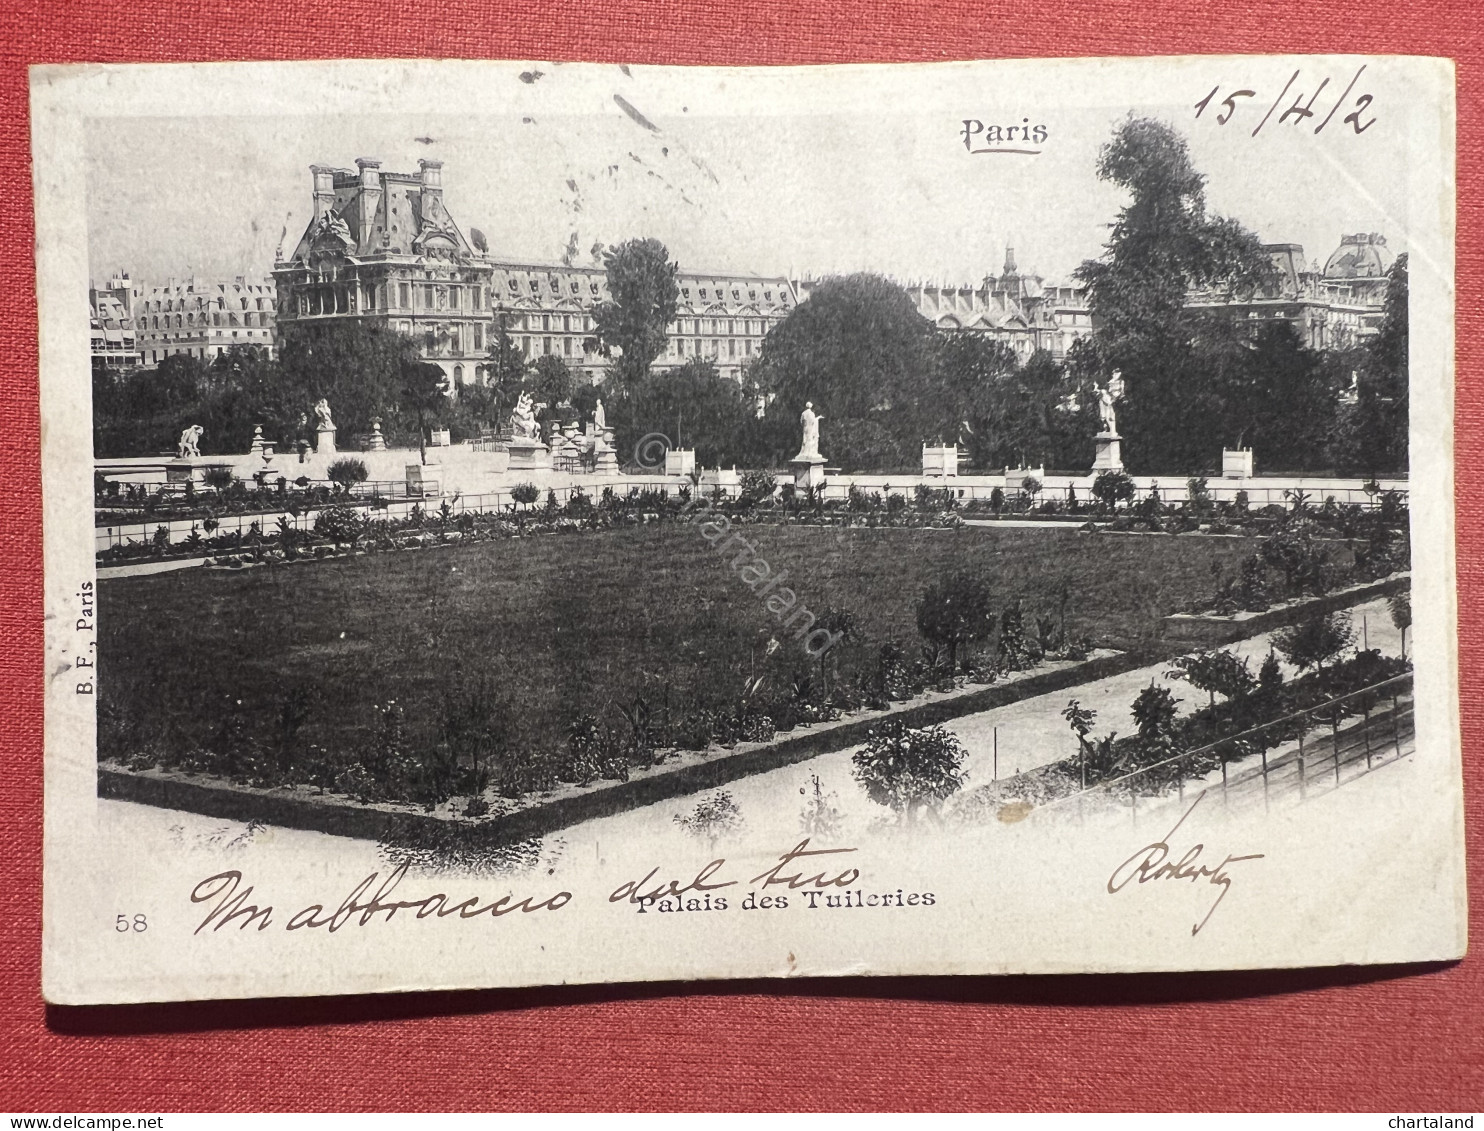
x=1389, y=1039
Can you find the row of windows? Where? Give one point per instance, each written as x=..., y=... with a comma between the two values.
x=204, y=304
x=715, y=294
x=457, y=339
x=155, y=356
x=684, y=347
x=222, y=336
x=232, y=319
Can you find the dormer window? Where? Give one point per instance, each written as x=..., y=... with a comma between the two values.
x=703, y=292
x=751, y=295
x=736, y=293
x=593, y=287
x=685, y=291
x=514, y=286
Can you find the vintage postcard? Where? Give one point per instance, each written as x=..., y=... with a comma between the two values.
x=525, y=523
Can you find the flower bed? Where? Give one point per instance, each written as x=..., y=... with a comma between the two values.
x=511, y=820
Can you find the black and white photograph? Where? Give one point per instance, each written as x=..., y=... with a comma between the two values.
x=522, y=523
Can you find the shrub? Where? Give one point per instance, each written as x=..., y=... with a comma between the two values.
x=347, y=471
x=475, y=729
x=909, y=769
x=1198, y=496
x=339, y=524
x=955, y=612
x=715, y=817
x=1113, y=487
x=1316, y=640
x=1017, y=650
x=757, y=487
x=525, y=493
x=1154, y=709
x=1218, y=672
x=218, y=478
x=1304, y=564
x=1270, y=675
x=578, y=505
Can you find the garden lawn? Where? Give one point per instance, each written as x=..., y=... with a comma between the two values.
x=561, y=625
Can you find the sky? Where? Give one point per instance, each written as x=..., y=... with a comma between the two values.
x=794, y=192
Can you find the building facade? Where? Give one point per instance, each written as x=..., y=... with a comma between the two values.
x=1024, y=311
x=1333, y=307
x=111, y=324
x=202, y=318
x=383, y=245
x=720, y=317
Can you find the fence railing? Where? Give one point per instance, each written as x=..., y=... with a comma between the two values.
x=1320, y=747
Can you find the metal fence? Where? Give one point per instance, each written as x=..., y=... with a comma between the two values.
x=1319, y=748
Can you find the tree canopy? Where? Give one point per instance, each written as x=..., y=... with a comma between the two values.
x=1163, y=245
x=859, y=350
x=644, y=296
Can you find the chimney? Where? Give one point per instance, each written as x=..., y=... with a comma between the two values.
x=1010, y=268
x=370, y=199
x=432, y=190
x=324, y=189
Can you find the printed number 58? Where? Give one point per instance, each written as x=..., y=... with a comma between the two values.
x=124, y=924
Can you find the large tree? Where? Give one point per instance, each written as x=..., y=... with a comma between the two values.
x=506, y=372
x=643, y=298
x=356, y=366
x=1162, y=246
x=1007, y=414
x=1268, y=391
x=860, y=351
x=1371, y=437
x=695, y=407
x=423, y=393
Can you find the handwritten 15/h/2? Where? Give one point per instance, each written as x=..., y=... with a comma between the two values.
x=1296, y=112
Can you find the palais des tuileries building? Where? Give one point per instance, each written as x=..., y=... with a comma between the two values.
x=384, y=245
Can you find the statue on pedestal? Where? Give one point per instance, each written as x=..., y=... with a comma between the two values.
x=1107, y=394
x=190, y=442
x=523, y=423
x=322, y=414
x=600, y=418
x=810, y=420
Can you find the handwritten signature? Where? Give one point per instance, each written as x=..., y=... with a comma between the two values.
x=232, y=905
x=634, y=891
x=1153, y=862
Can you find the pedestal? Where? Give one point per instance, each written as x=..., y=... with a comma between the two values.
x=529, y=455
x=377, y=442
x=422, y=481
x=605, y=458
x=325, y=442
x=1107, y=456
x=180, y=471
x=941, y=461
x=1236, y=463
x=257, y=440
x=680, y=461
x=808, y=471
